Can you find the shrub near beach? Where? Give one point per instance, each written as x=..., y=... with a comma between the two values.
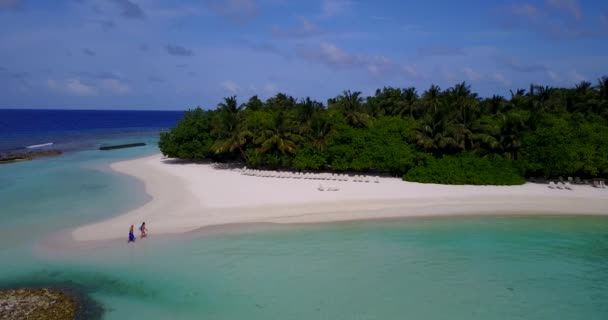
x=466, y=169
x=441, y=136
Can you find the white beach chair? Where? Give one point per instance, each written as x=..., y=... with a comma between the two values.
x=320, y=188
x=366, y=179
x=559, y=185
x=551, y=185
x=568, y=186
x=377, y=180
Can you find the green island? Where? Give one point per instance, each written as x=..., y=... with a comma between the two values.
x=450, y=136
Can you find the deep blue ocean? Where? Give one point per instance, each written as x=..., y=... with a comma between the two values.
x=71, y=130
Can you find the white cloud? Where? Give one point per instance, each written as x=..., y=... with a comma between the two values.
x=500, y=78
x=412, y=72
x=332, y=8
x=572, y=7
x=553, y=76
x=266, y=90
x=525, y=10
x=306, y=29
x=578, y=77
x=77, y=87
x=73, y=87
x=376, y=65
x=270, y=89
x=330, y=54
x=230, y=86
x=236, y=10
x=114, y=86
x=471, y=74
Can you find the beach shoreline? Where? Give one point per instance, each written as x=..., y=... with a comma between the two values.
x=187, y=197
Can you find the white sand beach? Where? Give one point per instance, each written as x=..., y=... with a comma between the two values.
x=189, y=196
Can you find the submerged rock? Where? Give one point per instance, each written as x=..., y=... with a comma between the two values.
x=37, y=304
x=15, y=157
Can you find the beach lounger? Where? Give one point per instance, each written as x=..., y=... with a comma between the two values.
x=568, y=186
x=551, y=185
x=320, y=188
x=559, y=185
x=377, y=180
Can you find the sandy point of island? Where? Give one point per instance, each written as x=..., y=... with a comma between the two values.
x=187, y=196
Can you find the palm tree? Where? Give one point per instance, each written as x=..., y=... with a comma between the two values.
x=281, y=134
x=411, y=98
x=351, y=105
x=499, y=134
x=438, y=135
x=307, y=108
x=233, y=140
x=602, y=87
x=321, y=131
x=230, y=105
x=229, y=128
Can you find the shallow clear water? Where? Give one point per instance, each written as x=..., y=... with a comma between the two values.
x=459, y=268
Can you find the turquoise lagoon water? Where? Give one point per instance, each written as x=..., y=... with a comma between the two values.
x=458, y=268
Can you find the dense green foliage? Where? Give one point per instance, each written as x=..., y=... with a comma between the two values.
x=447, y=136
x=466, y=169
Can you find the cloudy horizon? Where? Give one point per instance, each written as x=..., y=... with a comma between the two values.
x=160, y=54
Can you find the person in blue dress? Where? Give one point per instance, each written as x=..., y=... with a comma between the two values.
x=131, y=235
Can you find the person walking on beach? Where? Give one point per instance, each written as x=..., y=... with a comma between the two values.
x=143, y=230
x=131, y=235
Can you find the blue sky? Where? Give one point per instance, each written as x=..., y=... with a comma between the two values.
x=161, y=54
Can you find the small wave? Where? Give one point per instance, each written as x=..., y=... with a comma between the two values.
x=39, y=145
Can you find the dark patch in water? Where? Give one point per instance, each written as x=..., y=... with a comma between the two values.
x=87, y=307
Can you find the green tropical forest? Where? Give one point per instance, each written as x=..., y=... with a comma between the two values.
x=450, y=136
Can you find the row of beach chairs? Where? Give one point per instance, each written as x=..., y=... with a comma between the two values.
x=307, y=175
x=568, y=185
x=560, y=185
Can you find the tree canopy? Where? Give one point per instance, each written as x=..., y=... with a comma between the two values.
x=445, y=136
